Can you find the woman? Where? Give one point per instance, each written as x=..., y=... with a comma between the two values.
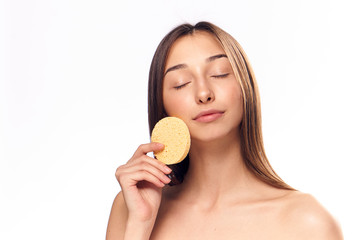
x=225, y=188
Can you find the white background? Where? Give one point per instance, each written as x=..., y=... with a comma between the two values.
x=73, y=101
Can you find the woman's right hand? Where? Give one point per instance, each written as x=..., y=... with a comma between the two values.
x=142, y=179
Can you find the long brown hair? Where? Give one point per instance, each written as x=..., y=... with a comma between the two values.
x=250, y=129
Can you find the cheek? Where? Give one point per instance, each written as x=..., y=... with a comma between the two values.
x=236, y=96
x=235, y=99
x=231, y=92
x=175, y=104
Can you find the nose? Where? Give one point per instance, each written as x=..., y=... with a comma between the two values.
x=204, y=94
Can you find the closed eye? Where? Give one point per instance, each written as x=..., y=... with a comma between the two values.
x=181, y=86
x=221, y=75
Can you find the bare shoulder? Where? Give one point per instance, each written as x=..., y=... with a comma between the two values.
x=306, y=218
x=117, y=219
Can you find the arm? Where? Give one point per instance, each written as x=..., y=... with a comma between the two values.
x=118, y=218
x=118, y=225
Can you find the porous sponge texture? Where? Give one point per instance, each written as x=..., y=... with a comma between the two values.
x=175, y=135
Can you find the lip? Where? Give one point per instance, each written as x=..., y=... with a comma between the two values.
x=209, y=115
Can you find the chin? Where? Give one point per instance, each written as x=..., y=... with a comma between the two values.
x=213, y=135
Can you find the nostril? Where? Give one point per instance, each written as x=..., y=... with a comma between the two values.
x=205, y=97
x=207, y=100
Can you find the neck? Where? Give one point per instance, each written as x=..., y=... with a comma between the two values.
x=216, y=169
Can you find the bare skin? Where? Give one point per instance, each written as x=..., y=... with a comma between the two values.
x=219, y=198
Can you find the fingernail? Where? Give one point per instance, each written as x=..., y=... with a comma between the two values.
x=167, y=169
x=159, y=145
x=168, y=180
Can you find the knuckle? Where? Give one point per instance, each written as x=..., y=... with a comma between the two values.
x=142, y=159
x=141, y=146
x=119, y=171
x=142, y=165
x=118, y=174
x=121, y=178
x=143, y=172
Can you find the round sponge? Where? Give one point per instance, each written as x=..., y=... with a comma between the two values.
x=175, y=135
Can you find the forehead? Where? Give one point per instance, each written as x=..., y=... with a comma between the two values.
x=199, y=45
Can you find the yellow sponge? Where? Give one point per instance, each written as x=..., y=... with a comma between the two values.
x=175, y=135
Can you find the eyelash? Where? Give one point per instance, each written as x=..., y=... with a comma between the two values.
x=214, y=76
x=221, y=76
x=181, y=86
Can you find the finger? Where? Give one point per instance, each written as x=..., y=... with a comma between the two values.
x=148, y=147
x=152, y=161
x=154, y=170
x=125, y=172
x=146, y=164
x=139, y=176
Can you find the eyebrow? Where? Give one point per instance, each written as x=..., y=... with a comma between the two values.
x=176, y=67
x=212, y=58
x=181, y=66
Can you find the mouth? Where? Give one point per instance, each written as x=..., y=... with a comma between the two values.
x=208, y=116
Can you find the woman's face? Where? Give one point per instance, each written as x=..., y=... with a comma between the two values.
x=200, y=88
